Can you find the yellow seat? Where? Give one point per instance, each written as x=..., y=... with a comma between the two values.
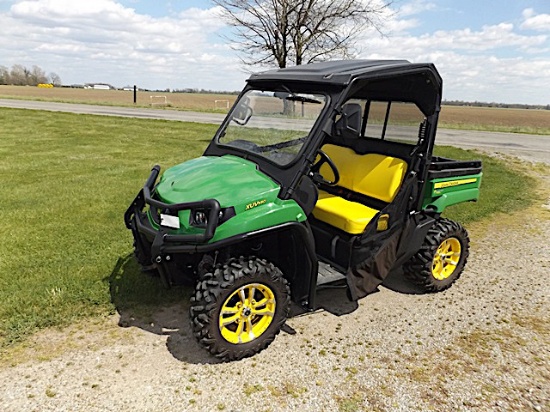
x=329, y=209
x=374, y=175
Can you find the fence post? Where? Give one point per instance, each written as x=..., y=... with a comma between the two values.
x=135, y=94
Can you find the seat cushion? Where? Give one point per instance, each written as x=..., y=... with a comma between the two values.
x=351, y=217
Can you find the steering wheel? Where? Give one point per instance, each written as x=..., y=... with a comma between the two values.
x=315, y=170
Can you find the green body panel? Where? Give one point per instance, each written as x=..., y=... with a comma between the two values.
x=233, y=182
x=444, y=192
x=267, y=215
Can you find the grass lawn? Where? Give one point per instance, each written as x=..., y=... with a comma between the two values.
x=66, y=182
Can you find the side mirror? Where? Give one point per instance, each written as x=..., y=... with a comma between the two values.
x=349, y=123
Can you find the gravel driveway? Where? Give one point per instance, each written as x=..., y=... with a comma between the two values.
x=482, y=345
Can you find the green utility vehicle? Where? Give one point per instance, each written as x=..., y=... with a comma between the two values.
x=320, y=174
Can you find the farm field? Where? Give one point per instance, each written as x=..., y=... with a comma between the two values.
x=455, y=117
x=495, y=119
x=181, y=101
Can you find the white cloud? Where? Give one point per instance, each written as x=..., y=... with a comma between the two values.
x=495, y=63
x=488, y=38
x=102, y=40
x=69, y=9
x=539, y=22
x=416, y=7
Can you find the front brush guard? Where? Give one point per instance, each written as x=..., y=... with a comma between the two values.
x=164, y=242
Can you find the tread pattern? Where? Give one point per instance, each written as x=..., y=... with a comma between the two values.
x=419, y=268
x=214, y=287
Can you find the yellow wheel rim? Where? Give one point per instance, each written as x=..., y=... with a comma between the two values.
x=446, y=258
x=247, y=313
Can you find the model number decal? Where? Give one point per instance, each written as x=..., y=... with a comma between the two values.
x=442, y=185
x=255, y=204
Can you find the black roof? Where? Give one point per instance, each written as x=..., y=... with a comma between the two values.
x=344, y=71
x=381, y=79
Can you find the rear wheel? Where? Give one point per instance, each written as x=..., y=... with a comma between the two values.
x=239, y=308
x=441, y=259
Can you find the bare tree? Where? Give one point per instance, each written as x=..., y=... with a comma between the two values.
x=37, y=76
x=55, y=79
x=4, y=75
x=19, y=75
x=294, y=32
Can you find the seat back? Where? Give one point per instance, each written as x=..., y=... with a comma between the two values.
x=374, y=175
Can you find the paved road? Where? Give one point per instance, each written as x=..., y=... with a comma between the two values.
x=114, y=111
x=534, y=148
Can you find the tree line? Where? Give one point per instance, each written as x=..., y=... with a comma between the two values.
x=494, y=104
x=20, y=75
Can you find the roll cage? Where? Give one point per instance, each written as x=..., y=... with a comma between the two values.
x=371, y=80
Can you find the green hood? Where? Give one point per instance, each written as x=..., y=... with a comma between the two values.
x=233, y=182
x=230, y=180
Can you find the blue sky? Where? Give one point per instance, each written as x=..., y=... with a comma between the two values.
x=486, y=50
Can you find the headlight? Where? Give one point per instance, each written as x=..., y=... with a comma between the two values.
x=199, y=217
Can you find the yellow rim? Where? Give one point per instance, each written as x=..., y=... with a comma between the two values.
x=247, y=313
x=446, y=258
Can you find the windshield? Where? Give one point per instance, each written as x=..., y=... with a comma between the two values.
x=272, y=124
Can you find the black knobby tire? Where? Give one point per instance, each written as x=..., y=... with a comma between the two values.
x=428, y=269
x=220, y=289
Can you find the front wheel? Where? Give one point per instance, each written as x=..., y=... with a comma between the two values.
x=441, y=259
x=239, y=308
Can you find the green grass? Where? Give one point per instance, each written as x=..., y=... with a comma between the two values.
x=66, y=182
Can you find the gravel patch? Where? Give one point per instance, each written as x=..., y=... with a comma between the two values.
x=484, y=345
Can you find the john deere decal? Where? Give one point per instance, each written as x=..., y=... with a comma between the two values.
x=255, y=204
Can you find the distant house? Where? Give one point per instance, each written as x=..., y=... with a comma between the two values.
x=98, y=86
